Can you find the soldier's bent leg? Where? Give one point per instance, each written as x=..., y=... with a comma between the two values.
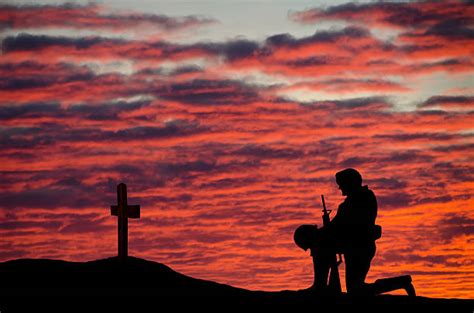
x=393, y=283
x=357, y=267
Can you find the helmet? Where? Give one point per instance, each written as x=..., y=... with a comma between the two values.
x=305, y=236
x=349, y=177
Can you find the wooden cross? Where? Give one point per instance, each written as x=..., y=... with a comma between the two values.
x=124, y=212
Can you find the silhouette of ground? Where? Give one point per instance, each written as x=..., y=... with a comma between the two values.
x=51, y=280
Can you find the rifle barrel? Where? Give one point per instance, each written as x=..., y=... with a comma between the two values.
x=324, y=204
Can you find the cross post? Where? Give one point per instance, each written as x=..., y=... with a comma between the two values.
x=123, y=211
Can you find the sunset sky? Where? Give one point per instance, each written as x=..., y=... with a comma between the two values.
x=227, y=120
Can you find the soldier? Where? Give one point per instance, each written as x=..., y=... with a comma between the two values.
x=352, y=232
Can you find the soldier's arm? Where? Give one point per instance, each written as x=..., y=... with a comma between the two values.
x=337, y=219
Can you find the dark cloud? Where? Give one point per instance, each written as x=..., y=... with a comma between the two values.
x=14, y=225
x=396, y=199
x=146, y=174
x=374, y=105
x=20, y=156
x=27, y=42
x=266, y=153
x=416, y=136
x=210, y=92
x=151, y=132
x=240, y=49
x=391, y=183
x=32, y=82
x=231, y=50
x=451, y=274
x=316, y=61
x=14, y=84
x=180, y=70
x=235, y=50
x=99, y=47
x=29, y=137
x=63, y=187
x=55, y=216
x=209, y=237
x=7, y=253
x=31, y=74
x=258, y=217
x=456, y=147
x=86, y=226
x=330, y=148
x=179, y=200
x=30, y=110
x=23, y=83
x=243, y=215
x=440, y=18
x=406, y=157
x=360, y=102
x=455, y=225
x=224, y=183
x=435, y=199
x=180, y=168
x=443, y=100
x=413, y=156
x=456, y=28
x=99, y=111
x=413, y=258
x=90, y=16
x=14, y=177
x=186, y=70
x=55, y=195
x=106, y=111
x=288, y=40
x=164, y=221
x=23, y=138
x=68, y=189
x=453, y=172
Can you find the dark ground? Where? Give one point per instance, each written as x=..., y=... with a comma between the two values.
x=43, y=285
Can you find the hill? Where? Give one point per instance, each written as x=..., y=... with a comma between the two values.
x=136, y=278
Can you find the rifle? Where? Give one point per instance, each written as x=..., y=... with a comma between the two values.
x=334, y=286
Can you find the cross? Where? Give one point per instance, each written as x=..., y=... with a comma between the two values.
x=124, y=212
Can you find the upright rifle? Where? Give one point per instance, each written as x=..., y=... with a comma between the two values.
x=334, y=286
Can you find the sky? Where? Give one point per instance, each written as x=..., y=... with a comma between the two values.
x=227, y=120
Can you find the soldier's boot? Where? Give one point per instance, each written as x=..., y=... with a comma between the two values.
x=394, y=283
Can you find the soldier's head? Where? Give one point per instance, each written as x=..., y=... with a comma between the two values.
x=305, y=236
x=349, y=181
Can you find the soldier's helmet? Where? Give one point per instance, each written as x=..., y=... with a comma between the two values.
x=305, y=236
x=349, y=177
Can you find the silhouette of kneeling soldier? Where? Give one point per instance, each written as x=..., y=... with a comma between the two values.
x=352, y=233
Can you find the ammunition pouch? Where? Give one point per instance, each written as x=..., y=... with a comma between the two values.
x=377, y=232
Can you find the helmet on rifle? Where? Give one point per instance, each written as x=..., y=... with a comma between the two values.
x=305, y=236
